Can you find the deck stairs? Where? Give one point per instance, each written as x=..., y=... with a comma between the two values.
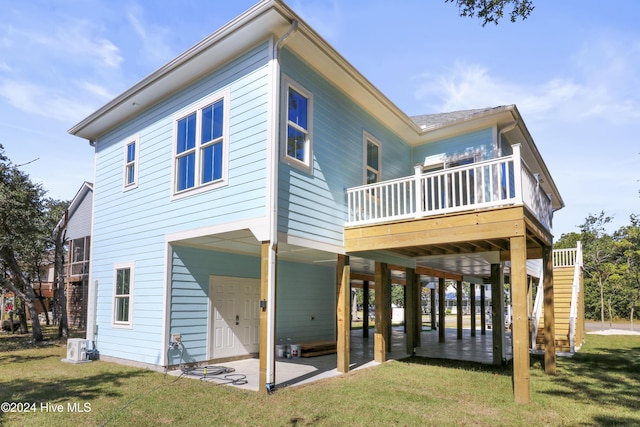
x=568, y=303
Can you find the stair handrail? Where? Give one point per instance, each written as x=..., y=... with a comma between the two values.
x=537, y=309
x=575, y=293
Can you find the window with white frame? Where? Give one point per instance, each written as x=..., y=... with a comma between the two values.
x=201, y=145
x=131, y=149
x=123, y=294
x=298, y=110
x=373, y=156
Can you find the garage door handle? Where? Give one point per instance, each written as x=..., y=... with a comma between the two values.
x=237, y=319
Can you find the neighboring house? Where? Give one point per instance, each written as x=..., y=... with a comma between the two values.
x=77, y=221
x=239, y=187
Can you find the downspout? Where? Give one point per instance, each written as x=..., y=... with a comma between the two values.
x=273, y=195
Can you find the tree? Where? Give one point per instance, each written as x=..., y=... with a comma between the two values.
x=493, y=10
x=27, y=220
x=599, y=254
x=628, y=244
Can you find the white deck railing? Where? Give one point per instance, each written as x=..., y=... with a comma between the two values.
x=505, y=181
x=565, y=257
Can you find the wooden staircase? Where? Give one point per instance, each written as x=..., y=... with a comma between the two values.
x=564, y=275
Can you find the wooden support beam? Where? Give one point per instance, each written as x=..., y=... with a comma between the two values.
x=265, y=361
x=472, y=297
x=434, y=320
x=343, y=313
x=459, y=309
x=497, y=309
x=365, y=309
x=432, y=272
x=549, y=316
x=410, y=309
x=418, y=311
x=520, y=331
x=442, y=292
x=469, y=227
x=381, y=336
x=483, y=310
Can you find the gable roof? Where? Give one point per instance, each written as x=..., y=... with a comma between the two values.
x=85, y=188
x=431, y=121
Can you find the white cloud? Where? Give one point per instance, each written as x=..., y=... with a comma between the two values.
x=100, y=91
x=603, y=87
x=75, y=38
x=155, y=38
x=40, y=100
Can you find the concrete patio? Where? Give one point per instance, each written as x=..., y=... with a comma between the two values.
x=297, y=371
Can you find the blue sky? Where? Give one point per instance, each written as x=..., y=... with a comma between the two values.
x=573, y=70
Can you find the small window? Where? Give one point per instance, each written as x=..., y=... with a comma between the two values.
x=123, y=295
x=201, y=145
x=373, y=153
x=131, y=148
x=297, y=109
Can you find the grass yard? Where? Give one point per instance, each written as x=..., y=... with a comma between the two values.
x=598, y=386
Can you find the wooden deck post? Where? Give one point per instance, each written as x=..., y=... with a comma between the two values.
x=410, y=310
x=520, y=329
x=343, y=313
x=472, y=298
x=549, y=317
x=434, y=320
x=497, y=309
x=459, y=309
x=365, y=309
x=267, y=321
x=442, y=293
x=381, y=337
x=483, y=310
x=418, y=316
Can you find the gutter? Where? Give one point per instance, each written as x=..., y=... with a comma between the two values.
x=273, y=217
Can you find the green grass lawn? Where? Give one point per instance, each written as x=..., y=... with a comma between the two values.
x=598, y=386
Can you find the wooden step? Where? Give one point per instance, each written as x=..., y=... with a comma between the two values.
x=317, y=348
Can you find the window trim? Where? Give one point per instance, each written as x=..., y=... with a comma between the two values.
x=307, y=164
x=126, y=186
x=199, y=186
x=366, y=138
x=116, y=267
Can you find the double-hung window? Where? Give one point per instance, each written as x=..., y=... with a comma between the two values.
x=298, y=111
x=131, y=149
x=201, y=145
x=123, y=295
x=373, y=153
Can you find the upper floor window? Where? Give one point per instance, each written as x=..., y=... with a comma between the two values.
x=201, y=145
x=123, y=294
x=131, y=148
x=373, y=153
x=298, y=109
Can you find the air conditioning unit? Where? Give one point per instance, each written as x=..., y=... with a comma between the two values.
x=77, y=350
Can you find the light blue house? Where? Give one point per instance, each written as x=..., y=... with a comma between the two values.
x=239, y=186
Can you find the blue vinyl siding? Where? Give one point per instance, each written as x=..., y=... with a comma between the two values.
x=304, y=291
x=313, y=205
x=189, y=300
x=458, y=145
x=131, y=226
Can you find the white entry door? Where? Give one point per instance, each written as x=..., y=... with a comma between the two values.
x=235, y=316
